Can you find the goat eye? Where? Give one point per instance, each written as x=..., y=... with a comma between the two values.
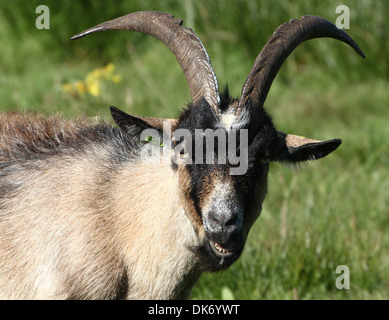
x=184, y=154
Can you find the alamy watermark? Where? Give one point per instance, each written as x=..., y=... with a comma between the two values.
x=343, y=281
x=43, y=20
x=343, y=20
x=185, y=147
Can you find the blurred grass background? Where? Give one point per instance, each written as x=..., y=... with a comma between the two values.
x=331, y=212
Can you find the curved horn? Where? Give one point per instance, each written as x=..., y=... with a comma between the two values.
x=182, y=41
x=283, y=41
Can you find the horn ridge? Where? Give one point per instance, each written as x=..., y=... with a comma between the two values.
x=182, y=41
x=281, y=44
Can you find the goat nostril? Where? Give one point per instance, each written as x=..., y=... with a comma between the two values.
x=232, y=221
x=213, y=220
x=226, y=221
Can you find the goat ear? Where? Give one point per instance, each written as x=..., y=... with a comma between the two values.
x=127, y=122
x=292, y=148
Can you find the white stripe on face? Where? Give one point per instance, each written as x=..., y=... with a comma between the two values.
x=230, y=121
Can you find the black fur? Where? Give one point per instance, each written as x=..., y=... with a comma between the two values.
x=261, y=134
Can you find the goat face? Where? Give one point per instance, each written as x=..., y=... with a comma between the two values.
x=221, y=196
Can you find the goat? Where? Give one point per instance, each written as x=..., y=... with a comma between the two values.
x=87, y=213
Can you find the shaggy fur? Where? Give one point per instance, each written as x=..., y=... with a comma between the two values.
x=71, y=226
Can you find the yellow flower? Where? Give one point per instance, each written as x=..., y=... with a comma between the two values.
x=116, y=78
x=92, y=81
x=80, y=87
x=97, y=73
x=94, y=88
x=67, y=87
x=110, y=67
x=89, y=79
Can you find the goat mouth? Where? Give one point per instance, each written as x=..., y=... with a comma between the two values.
x=223, y=251
x=216, y=256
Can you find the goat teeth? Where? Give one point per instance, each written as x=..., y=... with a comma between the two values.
x=220, y=249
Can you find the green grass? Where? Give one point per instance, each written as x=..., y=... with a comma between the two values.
x=328, y=213
x=331, y=212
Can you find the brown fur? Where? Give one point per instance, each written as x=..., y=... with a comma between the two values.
x=31, y=131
